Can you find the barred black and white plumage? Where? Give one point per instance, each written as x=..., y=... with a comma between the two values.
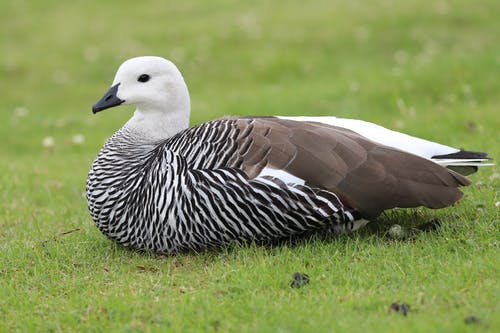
x=159, y=185
x=188, y=193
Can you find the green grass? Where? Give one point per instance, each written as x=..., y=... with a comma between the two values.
x=430, y=69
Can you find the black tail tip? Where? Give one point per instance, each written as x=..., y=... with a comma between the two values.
x=464, y=154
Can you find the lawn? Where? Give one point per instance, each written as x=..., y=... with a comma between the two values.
x=428, y=68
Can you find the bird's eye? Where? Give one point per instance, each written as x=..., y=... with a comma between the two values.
x=143, y=78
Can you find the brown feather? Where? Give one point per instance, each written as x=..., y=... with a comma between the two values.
x=367, y=176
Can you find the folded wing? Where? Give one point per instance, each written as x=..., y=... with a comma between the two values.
x=367, y=176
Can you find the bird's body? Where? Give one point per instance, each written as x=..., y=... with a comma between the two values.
x=161, y=186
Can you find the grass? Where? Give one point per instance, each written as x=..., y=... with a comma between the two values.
x=427, y=68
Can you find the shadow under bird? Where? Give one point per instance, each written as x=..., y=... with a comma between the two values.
x=159, y=185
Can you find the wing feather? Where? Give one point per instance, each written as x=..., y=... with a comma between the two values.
x=367, y=175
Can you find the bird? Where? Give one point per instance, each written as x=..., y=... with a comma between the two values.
x=159, y=185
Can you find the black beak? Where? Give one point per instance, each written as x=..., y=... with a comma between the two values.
x=108, y=100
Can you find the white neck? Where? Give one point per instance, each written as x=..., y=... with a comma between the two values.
x=152, y=126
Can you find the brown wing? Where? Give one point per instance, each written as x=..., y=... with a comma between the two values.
x=367, y=176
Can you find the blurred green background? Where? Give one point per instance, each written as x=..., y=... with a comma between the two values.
x=428, y=68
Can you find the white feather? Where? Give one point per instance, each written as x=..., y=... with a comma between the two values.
x=463, y=162
x=282, y=175
x=382, y=135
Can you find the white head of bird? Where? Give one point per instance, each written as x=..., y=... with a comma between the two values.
x=157, y=89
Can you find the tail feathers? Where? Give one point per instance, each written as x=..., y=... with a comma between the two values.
x=464, y=162
x=464, y=155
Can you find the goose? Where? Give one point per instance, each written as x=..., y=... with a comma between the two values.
x=159, y=185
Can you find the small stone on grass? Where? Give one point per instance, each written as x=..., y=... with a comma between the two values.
x=403, y=308
x=299, y=280
x=397, y=232
x=473, y=320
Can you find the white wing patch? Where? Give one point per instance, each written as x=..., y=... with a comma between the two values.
x=382, y=135
x=463, y=162
x=282, y=175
